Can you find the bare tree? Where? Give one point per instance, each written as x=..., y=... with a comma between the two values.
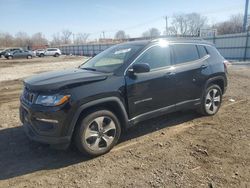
x=120, y=35
x=81, y=38
x=22, y=39
x=38, y=39
x=187, y=24
x=6, y=40
x=233, y=25
x=152, y=33
x=56, y=40
x=66, y=34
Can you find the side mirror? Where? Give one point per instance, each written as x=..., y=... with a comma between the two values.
x=139, y=68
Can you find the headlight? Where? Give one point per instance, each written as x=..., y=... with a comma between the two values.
x=52, y=100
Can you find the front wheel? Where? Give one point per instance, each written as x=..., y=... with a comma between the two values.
x=29, y=57
x=211, y=101
x=97, y=133
x=10, y=57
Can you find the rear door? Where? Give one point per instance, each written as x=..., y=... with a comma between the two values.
x=17, y=54
x=152, y=90
x=48, y=52
x=191, y=68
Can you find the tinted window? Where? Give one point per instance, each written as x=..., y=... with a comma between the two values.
x=202, y=51
x=51, y=50
x=156, y=57
x=185, y=53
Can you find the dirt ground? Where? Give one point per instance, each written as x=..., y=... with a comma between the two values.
x=180, y=149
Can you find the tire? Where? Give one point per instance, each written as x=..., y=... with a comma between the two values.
x=211, y=101
x=29, y=57
x=56, y=55
x=10, y=57
x=97, y=133
x=41, y=55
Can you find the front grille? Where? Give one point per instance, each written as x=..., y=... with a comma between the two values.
x=28, y=96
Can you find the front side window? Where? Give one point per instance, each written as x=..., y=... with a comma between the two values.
x=156, y=57
x=185, y=53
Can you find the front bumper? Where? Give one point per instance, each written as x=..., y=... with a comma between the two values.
x=44, y=139
x=38, y=129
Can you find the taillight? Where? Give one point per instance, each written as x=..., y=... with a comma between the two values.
x=226, y=63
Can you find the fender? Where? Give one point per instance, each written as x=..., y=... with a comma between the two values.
x=221, y=77
x=96, y=102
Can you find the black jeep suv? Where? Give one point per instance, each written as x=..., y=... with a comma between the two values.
x=125, y=84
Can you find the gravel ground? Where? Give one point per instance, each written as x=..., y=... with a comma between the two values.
x=23, y=68
x=180, y=149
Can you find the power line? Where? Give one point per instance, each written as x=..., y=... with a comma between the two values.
x=159, y=18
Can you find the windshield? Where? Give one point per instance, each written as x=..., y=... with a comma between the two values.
x=112, y=58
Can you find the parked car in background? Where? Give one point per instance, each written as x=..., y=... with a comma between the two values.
x=51, y=52
x=19, y=54
x=125, y=84
x=2, y=53
x=39, y=51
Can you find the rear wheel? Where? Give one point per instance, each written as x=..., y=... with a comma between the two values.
x=97, y=133
x=29, y=57
x=10, y=57
x=211, y=101
x=41, y=55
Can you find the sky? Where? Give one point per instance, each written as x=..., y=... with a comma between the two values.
x=95, y=16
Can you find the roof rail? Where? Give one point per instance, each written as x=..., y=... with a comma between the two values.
x=176, y=38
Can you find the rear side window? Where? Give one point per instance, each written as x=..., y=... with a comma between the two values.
x=202, y=51
x=185, y=53
x=52, y=49
x=156, y=57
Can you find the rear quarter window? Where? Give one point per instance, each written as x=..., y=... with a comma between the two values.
x=202, y=50
x=184, y=53
x=212, y=51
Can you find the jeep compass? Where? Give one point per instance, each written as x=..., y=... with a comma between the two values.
x=123, y=85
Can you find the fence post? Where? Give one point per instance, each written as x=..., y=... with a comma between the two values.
x=246, y=46
x=214, y=38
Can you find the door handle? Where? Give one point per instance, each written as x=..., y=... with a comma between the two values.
x=204, y=66
x=169, y=74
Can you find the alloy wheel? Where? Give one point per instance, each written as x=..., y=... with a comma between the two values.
x=100, y=133
x=213, y=100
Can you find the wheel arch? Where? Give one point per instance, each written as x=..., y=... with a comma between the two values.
x=218, y=80
x=114, y=104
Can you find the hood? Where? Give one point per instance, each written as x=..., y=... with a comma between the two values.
x=62, y=79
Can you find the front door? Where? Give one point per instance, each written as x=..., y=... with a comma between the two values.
x=151, y=91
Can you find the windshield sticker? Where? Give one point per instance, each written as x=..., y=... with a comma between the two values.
x=122, y=51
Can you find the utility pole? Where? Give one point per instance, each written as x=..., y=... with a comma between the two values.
x=166, y=18
x=103, y=33
x=245, y=16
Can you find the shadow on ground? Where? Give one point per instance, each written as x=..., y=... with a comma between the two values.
x=20, y=156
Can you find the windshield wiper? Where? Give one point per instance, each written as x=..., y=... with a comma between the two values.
x=89, y=68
